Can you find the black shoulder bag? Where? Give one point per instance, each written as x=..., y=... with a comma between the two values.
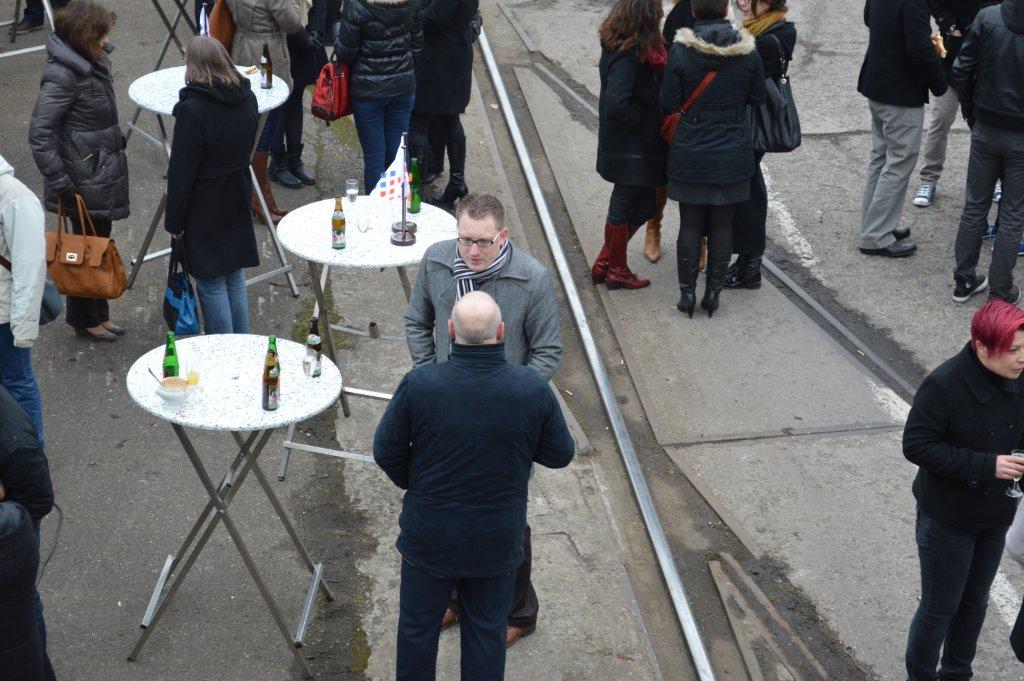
x=775, y=124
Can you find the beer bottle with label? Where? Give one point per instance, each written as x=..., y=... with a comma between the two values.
x=314, y=347
x=416, y=196
x=272, y=377
x=338, y=225
x=266, y=69
x=170, y=357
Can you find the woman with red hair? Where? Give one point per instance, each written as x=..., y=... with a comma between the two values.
x=967, y=419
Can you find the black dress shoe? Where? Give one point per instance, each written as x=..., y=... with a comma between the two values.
x=105, y=337
x=901, y=233
x=115, y=329
x=896, y=250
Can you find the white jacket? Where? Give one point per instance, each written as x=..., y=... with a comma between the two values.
x=22, y=223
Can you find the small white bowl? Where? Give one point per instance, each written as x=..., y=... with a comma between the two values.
x=174, y=397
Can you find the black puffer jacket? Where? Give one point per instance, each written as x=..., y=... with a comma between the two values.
x=22, y=657
x=712, y=144
x=986, y=75
x=74, y=132
x=380, y=39
x=630, y=150
x=444, y=70
x=24, y=472
x=208, y=187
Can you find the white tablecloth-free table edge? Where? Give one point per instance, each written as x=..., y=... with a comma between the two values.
x=158, y=91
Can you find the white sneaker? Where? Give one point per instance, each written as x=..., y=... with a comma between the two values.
x=925, y=195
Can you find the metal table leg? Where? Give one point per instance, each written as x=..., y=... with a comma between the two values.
x=144, y=254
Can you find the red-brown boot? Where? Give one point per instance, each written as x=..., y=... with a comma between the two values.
x=600, y=267
x=619, y=274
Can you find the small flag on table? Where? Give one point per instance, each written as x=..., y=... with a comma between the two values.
x=394, y=183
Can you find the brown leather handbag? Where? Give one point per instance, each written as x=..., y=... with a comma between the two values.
x=222, y=24
x=83, y=265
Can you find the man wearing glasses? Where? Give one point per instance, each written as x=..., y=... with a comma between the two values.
x=483, y=259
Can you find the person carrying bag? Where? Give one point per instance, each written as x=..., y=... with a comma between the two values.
x=83, y=265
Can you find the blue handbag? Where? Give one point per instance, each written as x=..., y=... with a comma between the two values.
x=179, y=297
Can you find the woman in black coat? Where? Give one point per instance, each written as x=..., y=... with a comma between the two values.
x=444, y=76
x=775, y=39
x=308, y=56
x=711, y=157
x=380, y=40
x=77, y=142
x=630, y=151
x=208, y=184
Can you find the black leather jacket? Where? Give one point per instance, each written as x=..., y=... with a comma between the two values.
x=380, y=39
x=986, y=75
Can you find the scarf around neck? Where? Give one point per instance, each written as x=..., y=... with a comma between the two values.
x=759, y=25
x=467, y=280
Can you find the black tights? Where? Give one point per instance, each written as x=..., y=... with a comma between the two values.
x=715, y=222
x=288, y=135
x=424, y=128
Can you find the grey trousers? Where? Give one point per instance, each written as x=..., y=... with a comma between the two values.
x=895, y=143
x=943, y=113
x=995, y=153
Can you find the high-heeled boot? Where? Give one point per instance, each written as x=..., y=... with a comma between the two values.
x=456, y=187
x=652, y=244
x=259, y=166
x=718, y=263
x=744, y=273
x=298, y=168
x=618, y=274
x=688, y=264
x=600, y=267
x=280, y=173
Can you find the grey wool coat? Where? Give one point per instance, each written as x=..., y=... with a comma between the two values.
x=523, y=291
x=264, y=21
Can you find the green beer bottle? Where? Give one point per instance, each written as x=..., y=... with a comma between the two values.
x=272, y=377
x=416, y=197
x=170, y=357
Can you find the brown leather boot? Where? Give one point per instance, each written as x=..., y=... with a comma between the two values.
x=652, y=244
x=619, y=274
x=260, y=160
x=600, y=266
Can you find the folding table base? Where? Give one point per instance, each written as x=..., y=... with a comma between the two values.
x=177, y=567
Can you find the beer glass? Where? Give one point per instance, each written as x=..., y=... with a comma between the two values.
x=351, y=190
x=1014, y=489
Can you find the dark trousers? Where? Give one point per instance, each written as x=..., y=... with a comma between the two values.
x=269, y=130
x=34, y=9
x=525, y=606
x=485, y=604
x=957, y=569
x=85, y=313
x=995, y=153
x=288, y=134
x=631, y=205
x=427, y=132
x=751, y=218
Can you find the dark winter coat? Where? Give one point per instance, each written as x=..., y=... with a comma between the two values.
x=461, y=437
x=208, y=184
x=987, y=74
x=959, y=15
x=306, y=63
x=24, y=472
x=380, y=39
x=962, y=417
x=776, y=46
x=629, y=146
x=74, y=133
x=712, y=144
x=681, y=16
x=444, y=70
x=21, y=652
x=901, y=64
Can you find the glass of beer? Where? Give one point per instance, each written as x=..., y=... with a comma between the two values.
x=351, y=190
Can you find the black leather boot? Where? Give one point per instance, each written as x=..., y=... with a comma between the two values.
x=298, y=169
x=718, y=263
x=456, y=187
x=688, y=263
x=280, y=173
x=744, y=273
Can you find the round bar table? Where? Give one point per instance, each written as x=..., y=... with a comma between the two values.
x=229, y=398
x=306, y=232
x=158, y=92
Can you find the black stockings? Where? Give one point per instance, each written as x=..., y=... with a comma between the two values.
x=714, y=222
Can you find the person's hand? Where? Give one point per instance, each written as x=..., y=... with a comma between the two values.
x=1009, y=467
x=314, y=41
x=955, y=32
x=68, y=194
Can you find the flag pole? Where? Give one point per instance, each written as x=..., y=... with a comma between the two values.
x=405, y=174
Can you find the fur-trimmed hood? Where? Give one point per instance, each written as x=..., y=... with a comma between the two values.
x=717, y=39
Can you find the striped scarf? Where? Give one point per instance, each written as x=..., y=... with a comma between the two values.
x=467, y=279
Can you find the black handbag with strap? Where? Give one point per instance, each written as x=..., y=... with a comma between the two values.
x=775, y=124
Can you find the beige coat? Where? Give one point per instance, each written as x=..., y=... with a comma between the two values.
x=264, y=21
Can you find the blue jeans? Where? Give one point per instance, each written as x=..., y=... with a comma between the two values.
x=380, y=124
x=17, y=377
x=269, y=129
x=483, y=617
x=224, y=302
x=957, y=569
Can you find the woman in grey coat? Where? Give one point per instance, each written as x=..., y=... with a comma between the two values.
x=76, y=140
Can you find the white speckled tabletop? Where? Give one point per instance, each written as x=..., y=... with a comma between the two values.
x=158, y=91
x=231, y=382
x=306, y=232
